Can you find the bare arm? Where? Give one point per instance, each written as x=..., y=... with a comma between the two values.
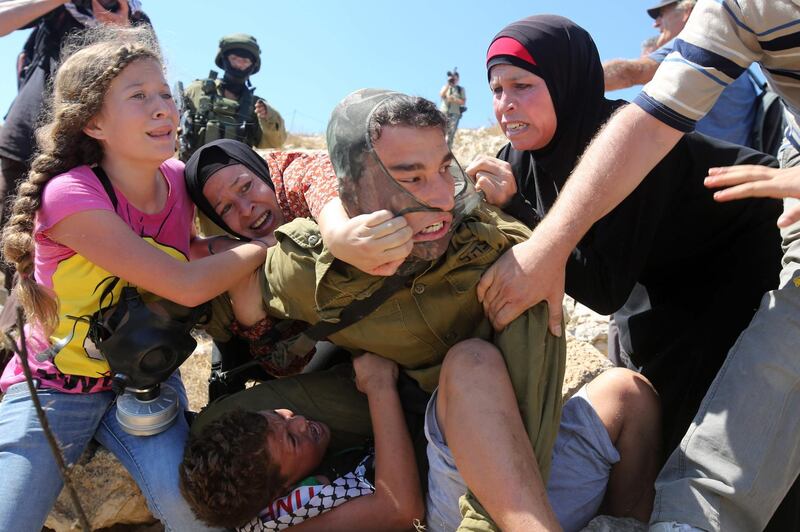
x=616, y=161
x=14, y=14
x=397, y=501
x=443, y=92
x=105, y=240
x=624, y=73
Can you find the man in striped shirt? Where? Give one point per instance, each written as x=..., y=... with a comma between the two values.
x=740, y=456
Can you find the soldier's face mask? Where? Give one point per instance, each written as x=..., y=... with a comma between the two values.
x=238, y=64
x=407, y=170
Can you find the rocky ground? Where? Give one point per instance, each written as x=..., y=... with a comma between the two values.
x=114, y=503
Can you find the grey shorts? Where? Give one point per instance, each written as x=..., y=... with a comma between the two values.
x=582, y=460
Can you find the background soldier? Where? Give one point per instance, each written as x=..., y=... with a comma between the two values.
x=228, y=108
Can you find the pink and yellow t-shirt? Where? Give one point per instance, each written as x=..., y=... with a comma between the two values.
x=79, y=367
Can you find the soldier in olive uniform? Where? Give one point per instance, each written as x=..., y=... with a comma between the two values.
x=389, y=152
x=456, y=239
x=228, y=108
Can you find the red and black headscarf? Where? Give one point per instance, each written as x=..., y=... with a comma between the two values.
x=564, y=55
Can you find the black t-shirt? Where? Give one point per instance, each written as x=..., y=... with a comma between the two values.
x=17, y=139
x=17, y=136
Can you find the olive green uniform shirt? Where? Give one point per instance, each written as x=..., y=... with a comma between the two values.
x=270, y=132
x=420, y=323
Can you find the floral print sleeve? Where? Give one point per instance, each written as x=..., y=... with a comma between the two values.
x=304, y=182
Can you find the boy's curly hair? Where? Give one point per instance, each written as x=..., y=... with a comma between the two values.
x=227, y=475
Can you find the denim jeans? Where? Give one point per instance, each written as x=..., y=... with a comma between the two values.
x=741, y=455
x=30, y=480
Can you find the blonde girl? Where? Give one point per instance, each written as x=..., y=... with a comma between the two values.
x=111, y=112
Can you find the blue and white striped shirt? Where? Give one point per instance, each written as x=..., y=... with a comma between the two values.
x=720, y=40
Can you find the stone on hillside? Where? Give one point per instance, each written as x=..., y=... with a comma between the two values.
x=605, y=523
x=584, y=363
x=586, y=325
x=108, y=495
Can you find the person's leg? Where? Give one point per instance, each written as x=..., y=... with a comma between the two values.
x=29, y=477
x=445, y=484
x=452, y=125
x=605, y=459
x=739, y=458
x=629, y=408
x=153, y=463
x=478, y=414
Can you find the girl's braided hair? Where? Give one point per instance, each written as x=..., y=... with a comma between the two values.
x=90, y=61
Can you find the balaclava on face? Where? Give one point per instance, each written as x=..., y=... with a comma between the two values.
x=366, y=186
x=234, y=79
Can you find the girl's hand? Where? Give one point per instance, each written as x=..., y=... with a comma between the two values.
x=375, y=243
x=374, y=373
x=494, y=178
x=754, y=181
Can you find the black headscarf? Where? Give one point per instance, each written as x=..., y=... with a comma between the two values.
x=566, y=58
x=212, y=157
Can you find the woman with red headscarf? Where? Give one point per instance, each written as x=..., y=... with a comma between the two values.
x=699, y=267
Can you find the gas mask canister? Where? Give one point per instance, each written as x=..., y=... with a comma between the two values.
x=365, y=184
x=144, y=343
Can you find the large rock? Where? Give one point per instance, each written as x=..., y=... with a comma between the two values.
x=605, y=523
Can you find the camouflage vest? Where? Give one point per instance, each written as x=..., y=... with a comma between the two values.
x=209, y=116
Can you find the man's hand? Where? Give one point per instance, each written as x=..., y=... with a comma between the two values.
x=753, y=181
x=526, y=274
x=494, y=178
x=261, y=110
x=116, y=18
x=375, y=243
x=374, y=373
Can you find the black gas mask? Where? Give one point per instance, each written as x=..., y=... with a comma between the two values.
x=144, y=343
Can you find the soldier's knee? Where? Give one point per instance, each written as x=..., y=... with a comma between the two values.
x=470, y=358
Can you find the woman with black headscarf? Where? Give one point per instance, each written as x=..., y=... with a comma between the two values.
x=702, y=266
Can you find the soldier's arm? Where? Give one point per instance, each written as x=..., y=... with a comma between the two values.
x=273, y=131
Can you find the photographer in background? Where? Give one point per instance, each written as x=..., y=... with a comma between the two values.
x=454, y=100
x=52, y=21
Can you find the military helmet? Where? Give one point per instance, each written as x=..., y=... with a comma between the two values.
x=242, y=41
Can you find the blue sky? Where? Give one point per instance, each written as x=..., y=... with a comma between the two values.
x=316, y=52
